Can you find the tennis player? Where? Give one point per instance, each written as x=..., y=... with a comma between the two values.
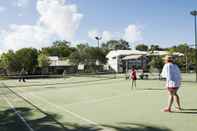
x=22, y=75
x=173, y=81
x=133, y=76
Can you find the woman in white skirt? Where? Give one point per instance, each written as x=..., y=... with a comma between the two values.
x=173, y=81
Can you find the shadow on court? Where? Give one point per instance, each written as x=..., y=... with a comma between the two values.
x=136, y=127
x=9, y=121
x=187, y=111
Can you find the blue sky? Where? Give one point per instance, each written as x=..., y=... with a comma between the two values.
x=163, y=22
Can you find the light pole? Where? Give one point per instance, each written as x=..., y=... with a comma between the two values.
x=194, y=13
x=98, y=39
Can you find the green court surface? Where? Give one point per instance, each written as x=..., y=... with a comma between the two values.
x=94, y=104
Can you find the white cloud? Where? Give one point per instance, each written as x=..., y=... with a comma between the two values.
x=57, y=20
x=106, y=36
x=77, y=42
x=20, y=14
x=93, y=33
x=132, y=33
x=25, y=36
x=22, y=3
x=2, y=9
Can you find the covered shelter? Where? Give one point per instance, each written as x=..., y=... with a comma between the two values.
x=60, y=66
x=139, y=61
x=117, y=59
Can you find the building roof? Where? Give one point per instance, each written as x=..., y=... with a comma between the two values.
x=132, y=57
x=163, y=53
x=116, y=53
x=60, y=63
x=178, y=54
x=159, y=53
x=55, y=61
x=53, y=58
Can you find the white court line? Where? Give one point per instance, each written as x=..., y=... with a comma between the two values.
x=98, y=100
x=104, y=99
x=64, y=109
x=18, y=114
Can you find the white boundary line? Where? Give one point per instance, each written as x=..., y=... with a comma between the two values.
x=98, y=100
x=91, y=101
x=104, y=99
x=18, y=114
x=64, y=109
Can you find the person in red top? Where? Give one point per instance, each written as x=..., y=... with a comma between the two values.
x=133, y=76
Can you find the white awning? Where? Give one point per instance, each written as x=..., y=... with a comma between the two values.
x=116, y=53
x=132, y=57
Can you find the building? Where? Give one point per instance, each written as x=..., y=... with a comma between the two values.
x=121, y=60
x=138, y=60
x=58, y=66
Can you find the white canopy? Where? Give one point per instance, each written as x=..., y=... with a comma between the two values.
x=132, y=57
x=116, y=53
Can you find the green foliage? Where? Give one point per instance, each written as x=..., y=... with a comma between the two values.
x=61, y=43
x=75, y=57
x=43, y=60
x=116, y=45
x=188, y=58
x=156, y=62
x=142, y=47
x=88, y=55
x=27, y=58
x=9, y=61
x=155, y=47
x=59, y=48
x=30, y=58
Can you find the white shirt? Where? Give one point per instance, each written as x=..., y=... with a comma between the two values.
x=172, y=74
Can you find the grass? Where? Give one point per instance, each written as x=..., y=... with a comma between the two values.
x=73, y=104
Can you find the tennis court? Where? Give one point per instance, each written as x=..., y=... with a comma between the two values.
x=93, y=104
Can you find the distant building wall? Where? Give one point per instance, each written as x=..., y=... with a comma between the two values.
x=113, y=63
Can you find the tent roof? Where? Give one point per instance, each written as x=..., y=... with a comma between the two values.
x=130, y=57
x=116, y=53
x=60, y=63
x=163, y=53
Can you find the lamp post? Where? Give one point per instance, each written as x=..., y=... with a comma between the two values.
x=98, y=39
x=194, y=13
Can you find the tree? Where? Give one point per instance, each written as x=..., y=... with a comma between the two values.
x=87, y=55
x=43, y=60
x=75, y=58
x=156, y=63
x=155, y=47
x=189, y=55
x=116, y=45
x=142, y=47
x=9, y=61
x=63, y=43
x=124, y=44
x=182, y=48
x=59, y=48
x=27, y=58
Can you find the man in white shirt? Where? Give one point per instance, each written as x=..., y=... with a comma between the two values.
x=173, y=81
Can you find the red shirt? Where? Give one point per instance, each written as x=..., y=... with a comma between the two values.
x=133, y=74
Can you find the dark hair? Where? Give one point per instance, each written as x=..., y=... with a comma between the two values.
x=170, y=60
